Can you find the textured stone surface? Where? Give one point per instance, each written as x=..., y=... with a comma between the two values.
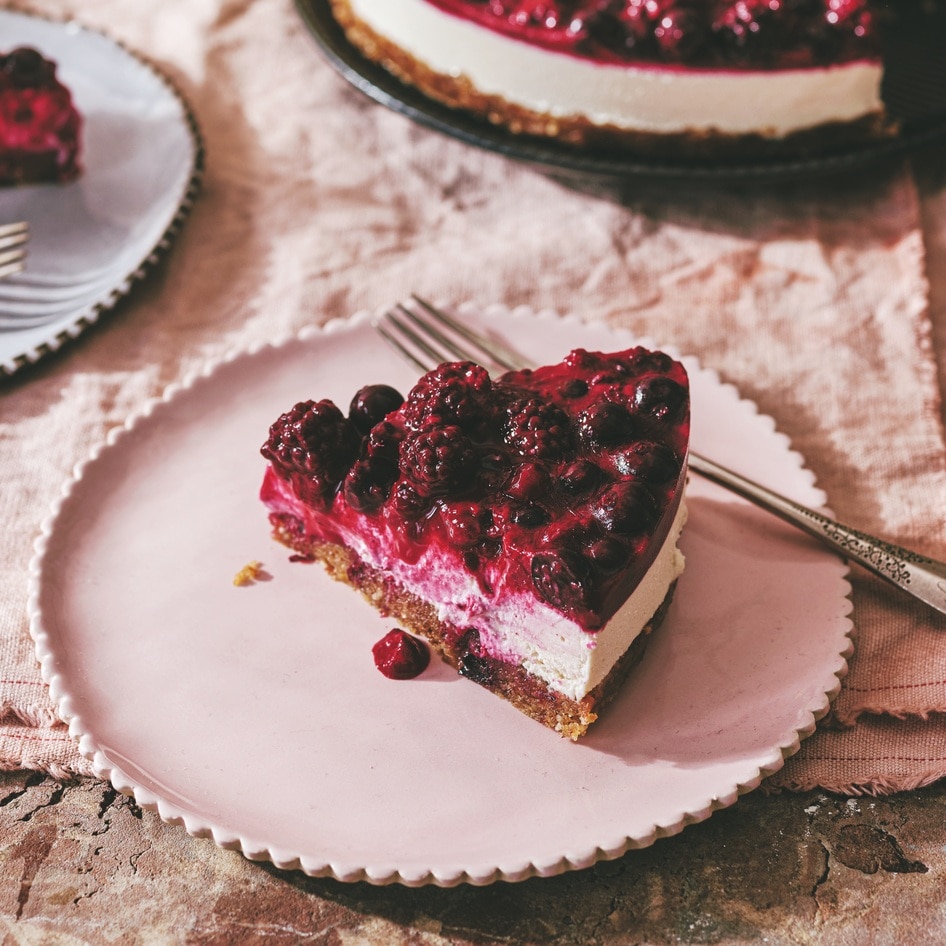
x=80, y=863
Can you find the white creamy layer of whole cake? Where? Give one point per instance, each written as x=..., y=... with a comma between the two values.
x=515, y=627
x=647, y=98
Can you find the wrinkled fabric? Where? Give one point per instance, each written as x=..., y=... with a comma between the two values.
x=821, y=300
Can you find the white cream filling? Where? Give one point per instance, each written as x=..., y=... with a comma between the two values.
x=519, y=628
x=657, y=100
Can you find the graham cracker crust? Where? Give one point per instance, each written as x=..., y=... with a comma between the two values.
x=459, y=646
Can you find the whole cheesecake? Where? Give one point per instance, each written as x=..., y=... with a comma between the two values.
x=39, y=124
x=526, y=525
x=675, y=76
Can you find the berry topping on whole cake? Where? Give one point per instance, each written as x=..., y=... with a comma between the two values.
x=533, y=504
x=726, y=34
x=39, y=124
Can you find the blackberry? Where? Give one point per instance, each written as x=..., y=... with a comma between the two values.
x=314, y=442
x=384, y=440
x=438, y=460
x=560, y=577
x=536, y=429
x=368, y=483
x=453, y=393
x=409, y=504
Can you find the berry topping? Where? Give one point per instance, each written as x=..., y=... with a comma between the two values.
x=536, y=429
x=466, y=523
x=529, y=516
x=626, y=508
x=574, y=387
x=735, y=34
x=438, y=459
x=608, y=554
x=654, y=463
x=25, y=68
x=605, y=424
x=530, y=481
x=399, y=656
x=559, y=578
x=368, y=483
x=372, y=404
x=580, y=476
x=560, y=482
x=453, y=393
x=314, y=441
x=660, y=397
x=680, y=32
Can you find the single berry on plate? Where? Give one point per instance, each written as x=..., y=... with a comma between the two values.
x=400, y=656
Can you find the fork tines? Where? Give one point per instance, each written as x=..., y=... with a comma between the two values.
x=426, y=336
x=13, y=239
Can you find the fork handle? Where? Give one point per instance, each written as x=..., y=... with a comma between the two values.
x=921, y=577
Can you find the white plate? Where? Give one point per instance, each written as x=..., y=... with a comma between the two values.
x=256, y=715
x=142, y=157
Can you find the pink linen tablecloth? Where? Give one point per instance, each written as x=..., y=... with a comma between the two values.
x=824, y=301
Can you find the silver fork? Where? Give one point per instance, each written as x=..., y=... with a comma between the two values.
x=425, y=336
x=13, y=240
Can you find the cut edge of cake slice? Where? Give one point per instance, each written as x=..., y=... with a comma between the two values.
x=527, y=527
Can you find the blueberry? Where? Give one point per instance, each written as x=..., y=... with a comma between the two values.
x=605, y=424
x=372, y=404
x=626, y=508
x=654, y=463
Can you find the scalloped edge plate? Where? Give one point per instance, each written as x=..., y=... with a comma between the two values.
x=143, y=158
x=255, y=715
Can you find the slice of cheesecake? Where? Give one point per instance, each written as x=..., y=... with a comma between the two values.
x=526, y=526
x=39, y=124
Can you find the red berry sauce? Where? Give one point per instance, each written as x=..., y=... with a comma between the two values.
x=713, y=34
x=399, y=656
x=560, y=483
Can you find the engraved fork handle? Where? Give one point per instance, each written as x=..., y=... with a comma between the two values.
x=922, y=577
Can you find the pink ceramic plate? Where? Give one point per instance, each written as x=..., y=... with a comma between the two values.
x=255, y=714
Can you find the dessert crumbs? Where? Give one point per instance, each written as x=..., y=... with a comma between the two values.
x=250, y=573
